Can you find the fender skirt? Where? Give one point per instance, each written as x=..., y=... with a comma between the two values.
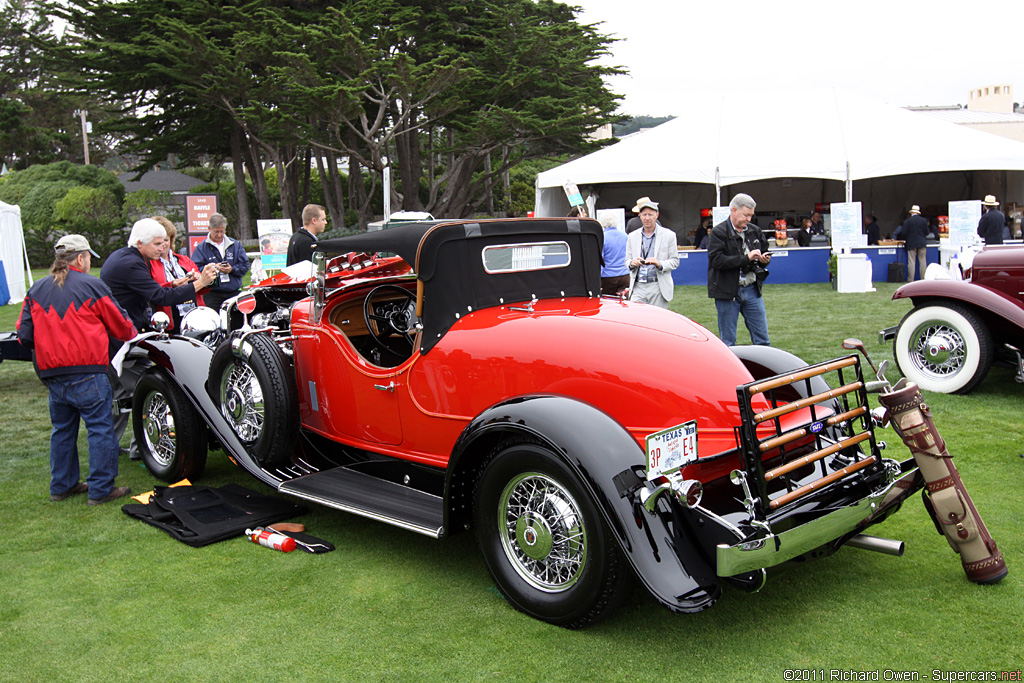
x=187, y=363
x=607, y=458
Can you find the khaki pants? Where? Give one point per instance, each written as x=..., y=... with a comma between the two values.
x=921, y=256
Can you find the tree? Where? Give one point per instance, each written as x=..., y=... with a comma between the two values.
x=454, y=93
x=47, y=211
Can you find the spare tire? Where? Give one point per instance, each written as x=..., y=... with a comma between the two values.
x=256, y=394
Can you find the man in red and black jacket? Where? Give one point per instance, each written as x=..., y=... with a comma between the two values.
x=66, y=319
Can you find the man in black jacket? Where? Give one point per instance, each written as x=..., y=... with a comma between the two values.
x=300, y=246
x=914, y=233
x=737, y=254
x=990, y=227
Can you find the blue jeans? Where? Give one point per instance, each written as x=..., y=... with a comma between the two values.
x=751, y=305
x=87, y=396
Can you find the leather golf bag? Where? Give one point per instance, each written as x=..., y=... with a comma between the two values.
x=946, y=499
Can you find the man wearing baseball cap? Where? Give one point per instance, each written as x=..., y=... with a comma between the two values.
x=65, y=319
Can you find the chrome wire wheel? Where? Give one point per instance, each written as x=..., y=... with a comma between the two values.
x=938, y=349
x=158, y=428
x=944, y=347
x=542, y=532
x=241, y=401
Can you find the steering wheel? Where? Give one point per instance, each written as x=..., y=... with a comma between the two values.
x=393, y=317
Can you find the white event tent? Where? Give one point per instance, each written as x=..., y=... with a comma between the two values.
x=790, y=152
x=13, y=256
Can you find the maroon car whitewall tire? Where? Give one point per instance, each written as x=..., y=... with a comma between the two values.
x=943, y=347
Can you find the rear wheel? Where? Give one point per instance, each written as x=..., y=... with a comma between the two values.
x=945, y=348
x=544, y=540
x=169, y=434
x=257, y=396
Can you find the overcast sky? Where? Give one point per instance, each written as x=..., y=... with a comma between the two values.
x=903, y=52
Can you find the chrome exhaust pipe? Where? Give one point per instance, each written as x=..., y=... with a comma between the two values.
x=879, y=545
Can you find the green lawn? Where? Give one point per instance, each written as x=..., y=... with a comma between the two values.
x=89, y=594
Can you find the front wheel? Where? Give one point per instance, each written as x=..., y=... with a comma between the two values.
x=169, y=434
x=544, y=540
x=945, y=348
x=257, y=396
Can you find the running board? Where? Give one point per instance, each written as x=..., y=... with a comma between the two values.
x=373, y=498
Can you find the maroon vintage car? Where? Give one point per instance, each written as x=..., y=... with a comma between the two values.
x=478, y=380
x=959, y=328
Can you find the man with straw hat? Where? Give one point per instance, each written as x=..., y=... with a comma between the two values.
x=990, y=227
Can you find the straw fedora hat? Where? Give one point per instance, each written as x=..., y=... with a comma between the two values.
x=990, y=200
x=915, y=209
x=644, y=201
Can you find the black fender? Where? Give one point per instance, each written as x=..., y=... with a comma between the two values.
x=187, y=363
x=767, y=361
x=607, y=460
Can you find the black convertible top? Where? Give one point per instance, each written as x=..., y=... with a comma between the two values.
x=448, y=258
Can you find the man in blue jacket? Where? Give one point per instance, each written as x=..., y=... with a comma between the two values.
x=228, y=256
x=66, y=319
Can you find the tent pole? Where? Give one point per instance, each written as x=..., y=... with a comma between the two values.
x=718, y=188
x=849, y=184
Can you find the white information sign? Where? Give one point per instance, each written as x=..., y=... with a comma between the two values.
x=846, y=225
x=963, y=222
x=671, y=449
x=617, y=216
x=274, y=235
x=719, y=214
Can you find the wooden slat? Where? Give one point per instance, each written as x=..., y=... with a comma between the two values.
x=821, y=483
x=815, y=456
x=804, y=402
x=788, y=437
x=802, y=375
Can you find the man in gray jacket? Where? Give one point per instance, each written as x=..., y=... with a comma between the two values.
x=651, y=256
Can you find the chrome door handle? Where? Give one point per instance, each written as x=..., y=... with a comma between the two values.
x=390, y=387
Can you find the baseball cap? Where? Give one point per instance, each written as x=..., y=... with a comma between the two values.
x=73, y=244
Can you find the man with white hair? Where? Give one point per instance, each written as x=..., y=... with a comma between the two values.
x=126, y=272
x=737, y=254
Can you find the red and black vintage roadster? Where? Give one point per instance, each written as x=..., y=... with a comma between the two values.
x=443, y=376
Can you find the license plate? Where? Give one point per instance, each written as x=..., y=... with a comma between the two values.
x=670, y=449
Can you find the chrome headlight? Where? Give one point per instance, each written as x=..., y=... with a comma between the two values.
x=201, y=320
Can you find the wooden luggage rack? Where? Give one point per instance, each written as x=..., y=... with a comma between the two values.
x=832, y=440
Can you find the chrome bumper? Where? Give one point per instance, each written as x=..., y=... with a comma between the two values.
x=887, y=334
x=778, y=548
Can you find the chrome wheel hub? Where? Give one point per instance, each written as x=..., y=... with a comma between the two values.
x=938, y=349
x=241, y=401
x=542, y=532
x=158, y=428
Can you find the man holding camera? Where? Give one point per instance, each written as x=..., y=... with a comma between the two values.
x=737, y=260
x=651, y=256
x=228, y=256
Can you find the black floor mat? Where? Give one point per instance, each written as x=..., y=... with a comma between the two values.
x=200, y=515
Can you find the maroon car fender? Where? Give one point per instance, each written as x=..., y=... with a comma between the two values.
x=605, y=457
x=977, y=295
x=187, y=363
